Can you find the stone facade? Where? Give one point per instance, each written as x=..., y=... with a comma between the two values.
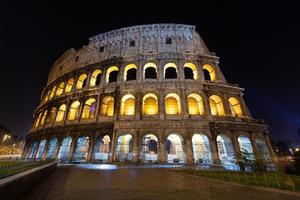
x=159, y=44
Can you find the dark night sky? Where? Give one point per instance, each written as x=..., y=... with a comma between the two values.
x=258, y=44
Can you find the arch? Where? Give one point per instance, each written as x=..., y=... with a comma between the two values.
x=51, y=116
x=210, y=72
x=69, y=85
x=33, y=149
x=172, y=104
x=107, y=106
x=52, y=92
x=149, y=148
x=225, y=151
x=201, y=149
x=195, y=104
x=124, y=148
x=41, y=150
x=150, y=71
x=216, y=106
x=74, y=110
x=235, y=107
x=245, y=146
x=81, y=82
x=150, y=104
x=112, y=74
x=64, y=149
x=81, y=150
x=95, y=77
x=89, y=109
x=130, y=72
x=44, y=117
x=37, y=122
x=102, y=149
x=127, y=105
x=60, y=88
x=262, y=149
x=52, y=148
x=46, y=98
x=174, y=148
x=170, y=71
x=61, y=113
x=190, y=71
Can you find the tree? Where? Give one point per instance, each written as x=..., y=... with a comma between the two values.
x=242, y=158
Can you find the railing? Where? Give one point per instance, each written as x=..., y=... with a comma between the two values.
x=9, y=168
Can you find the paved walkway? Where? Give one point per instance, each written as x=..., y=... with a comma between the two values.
x=70, y=182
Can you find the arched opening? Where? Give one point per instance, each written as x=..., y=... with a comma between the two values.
x=190, y=71
x=69, y=85
x=95, y=78
x=46, y=98
x=107, y=107
x=225, y=152
x=130, y=72
x=209, y=72
x=81, y=82
x=51, y=116
x=60, y=89
x=201, y=149
x=112, y=74
x=44, y=117
x=150, y=104
x=172, y=102
x=64, y=149
x=81, y=150
x=101, y=149
x=41, y=150
x=74, y=111
x=89, y=109
x=170, y=71
x=235, y=107
x=51, y=148
x=216, y=106
x=61, y=113
x=149, y=148
x=37, y=122
x=124, y=148
x=262, y=149
x=246, y=147
x=34, y=148
x=195, y=104
x=174, y=148
x=150, y=71
x=128, y=105
x=52, y=92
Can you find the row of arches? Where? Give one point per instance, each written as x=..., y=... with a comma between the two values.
x=150, y=71
x=173, y=149
x=150, y=106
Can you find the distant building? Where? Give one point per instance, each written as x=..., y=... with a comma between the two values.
x=10, y=144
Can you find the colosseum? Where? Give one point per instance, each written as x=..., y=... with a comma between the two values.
x=144, y=94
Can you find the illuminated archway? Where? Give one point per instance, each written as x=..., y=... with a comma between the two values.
x=107, y=106
x=190, y=71
x=149, y=148
x=34, y=148
x=60, y=89
x=89, y=109
x=130, y=72
x=52, y=92
x=245, y=146
x=150, y=104
x=235, y=107
x=174, y=148
x=150, y=71
x=195, y=104
x=51, y=148
x=127, y=105
x=112, y=74
x=74, y=110
x=81, y=82
x=170, y=71
x=51, y=116
x=263, y=149
x=172, y=104
x=38, y=120
x=82, y=148
x=41, y=150
x=95, y=78
x=64, y=149
x=210, y=71
x=124, y=147
x=44, y=117
x=46, y=98
x=102, y=149
x=61, y=113
x=216, y=106
x=201, y=149
x=225, y=152
x=69, y=85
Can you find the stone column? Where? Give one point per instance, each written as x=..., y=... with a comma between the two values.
x=253, y=143
x=46, y=149
x=270, y=148
x=91, y=149
x=184, y=103
x=188, y=151
x=72, y=148
x=138, y=106
x=235, y=143
x=58, y=144
x=36, y=151
x=161, y=150
x=226, y=104
x=136, y=145
x=161, y=104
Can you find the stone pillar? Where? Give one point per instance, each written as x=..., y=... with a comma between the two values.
x=58, y=144
x=162, y=151
x=136, y=145
x=226, y=104
x=161, y=104
x=253, y=143
x=90, y=149
x=112, y=148
x=36, y=151
x=270, y=148
x=184, y=103
x=138, y=106
x=214, y=150
x=72, y=148
x=46, y=149
x=188, y=151
x=235, y=143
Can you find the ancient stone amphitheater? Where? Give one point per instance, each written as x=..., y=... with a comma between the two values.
x=150, y=93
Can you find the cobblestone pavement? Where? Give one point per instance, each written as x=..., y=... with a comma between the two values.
x=69, y=182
